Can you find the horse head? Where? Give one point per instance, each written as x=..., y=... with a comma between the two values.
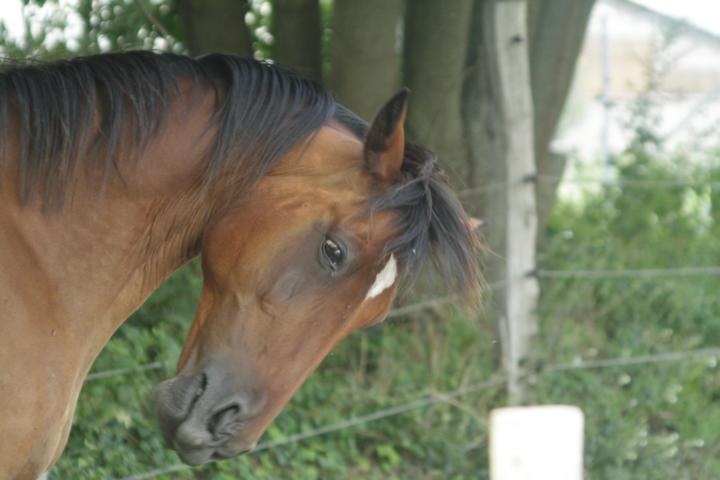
x=318, y=248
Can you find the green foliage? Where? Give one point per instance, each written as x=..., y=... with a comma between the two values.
x=121, y=433
x=112, y=25
x=57, y=29
x=650, y=421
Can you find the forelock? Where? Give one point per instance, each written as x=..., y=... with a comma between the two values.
x=429, y=217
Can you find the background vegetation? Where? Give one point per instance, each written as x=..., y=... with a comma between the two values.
x=657, y=421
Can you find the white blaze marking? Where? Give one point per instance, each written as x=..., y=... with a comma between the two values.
x=384, y=279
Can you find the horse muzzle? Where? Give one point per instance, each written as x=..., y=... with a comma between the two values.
x=206, y=416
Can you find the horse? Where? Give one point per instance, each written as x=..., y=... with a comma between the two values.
x=116, y=169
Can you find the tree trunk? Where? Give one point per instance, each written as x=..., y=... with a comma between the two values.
x=216, y=26
x=365, y=53
x=481, y=126
x=297, y=28
x=546, y=191
x=556, y=30
x=436, y=35
x=499, y=120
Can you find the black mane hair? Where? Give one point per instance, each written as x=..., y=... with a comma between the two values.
x=125, y=98
x=85, y=109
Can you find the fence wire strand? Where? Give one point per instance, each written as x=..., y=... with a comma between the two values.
x=618, y=182
x=664, y=357
x=638, y=183
x=123, y=371
x=670, y=184
x=635, y=273
x=440, y=397
x=424, y=401
x=447, y=299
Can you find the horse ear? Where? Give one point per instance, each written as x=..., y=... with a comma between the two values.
x=385, y=141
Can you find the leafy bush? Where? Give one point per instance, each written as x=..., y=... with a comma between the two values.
x=645, y=421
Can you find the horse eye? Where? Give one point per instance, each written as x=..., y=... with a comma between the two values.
x=333, y=254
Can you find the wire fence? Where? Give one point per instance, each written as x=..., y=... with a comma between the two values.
x=114, y=372
x=646, y=273
x=443, y=397
x=669, y=184
x=631, y=273
x=427, y=400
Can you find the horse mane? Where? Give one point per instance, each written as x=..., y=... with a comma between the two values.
x=260, y=113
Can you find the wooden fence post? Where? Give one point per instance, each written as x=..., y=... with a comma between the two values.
x=514, y=217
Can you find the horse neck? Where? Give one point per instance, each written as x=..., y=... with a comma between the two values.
x=69, y=279
x=94, y=261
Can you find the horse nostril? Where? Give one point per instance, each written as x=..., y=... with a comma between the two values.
x=225, y=421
